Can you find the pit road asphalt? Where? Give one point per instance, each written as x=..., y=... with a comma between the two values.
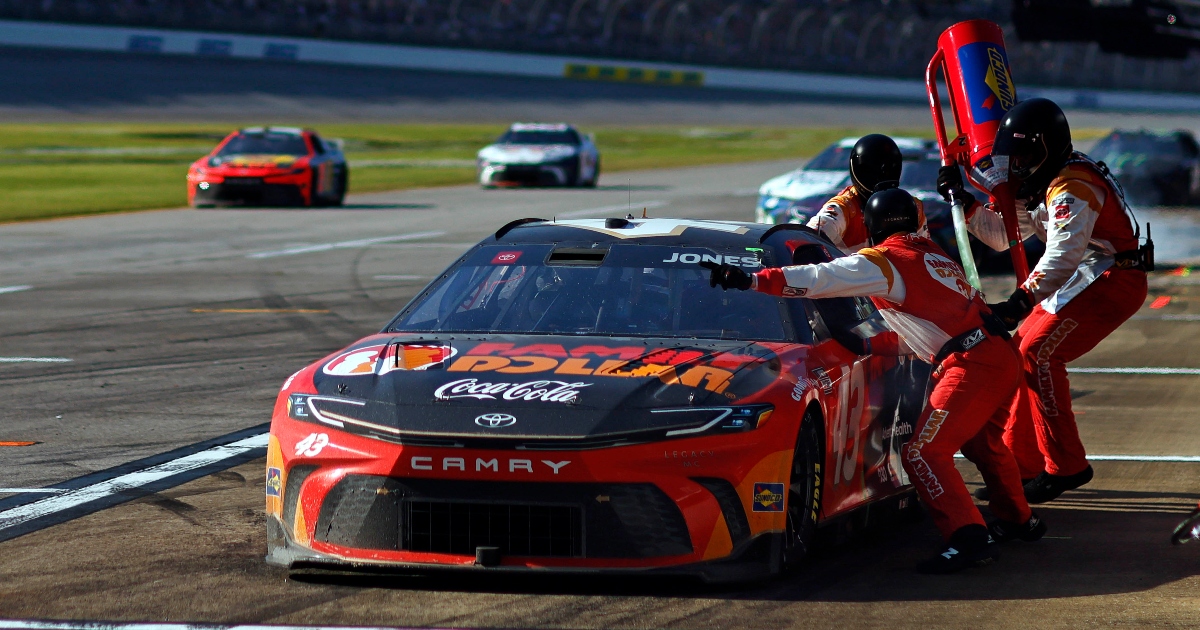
x=151, y=310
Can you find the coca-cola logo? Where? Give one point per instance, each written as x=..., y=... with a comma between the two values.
x=541, y=391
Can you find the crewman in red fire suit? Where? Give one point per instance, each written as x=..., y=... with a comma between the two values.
x=1090, y=280
x=925, y=298
x=875, y=160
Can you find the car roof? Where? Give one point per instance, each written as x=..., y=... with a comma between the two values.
x=907, y=144
x=295, y=131
x=652, y=231
x=533, y=126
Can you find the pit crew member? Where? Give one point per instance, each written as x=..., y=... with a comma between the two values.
x=1090, y=280
x=875, y=160
x=925, y=298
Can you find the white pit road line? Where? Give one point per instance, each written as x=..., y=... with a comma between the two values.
x=15, y=624
x=34, y=360
x=74, y=498
x=1168, y=459
x=1134, y=370
x=364, y=242
x=15, y=289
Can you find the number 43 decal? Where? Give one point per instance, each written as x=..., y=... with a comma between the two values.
x=847, y=425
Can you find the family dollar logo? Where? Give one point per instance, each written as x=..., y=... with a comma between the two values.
x=1000, y=81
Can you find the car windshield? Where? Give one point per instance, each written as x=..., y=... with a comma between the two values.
x=539, y=137
x=625, y=290
x=1125, y=151
x=266, y=143
x=834, y=158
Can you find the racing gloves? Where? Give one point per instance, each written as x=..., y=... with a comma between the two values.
x=1018, y=306
x=728, y=276
x=949, y=181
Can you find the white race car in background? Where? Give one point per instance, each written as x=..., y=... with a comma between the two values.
x=540, y=154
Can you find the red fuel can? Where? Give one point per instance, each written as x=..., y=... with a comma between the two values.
x=972, y=57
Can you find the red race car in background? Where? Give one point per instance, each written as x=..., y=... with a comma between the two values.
x=270, y=166
x=574, y=396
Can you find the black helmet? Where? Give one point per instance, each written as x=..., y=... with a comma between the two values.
x=874, y=160
x=1035, y=137
x=888, y=212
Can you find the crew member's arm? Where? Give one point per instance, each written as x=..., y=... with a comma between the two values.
x=1072, y=208
x=830, y=221
x=982, y=221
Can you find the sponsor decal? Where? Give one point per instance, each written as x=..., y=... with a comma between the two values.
x=694, y=368
x=900, y=429
x=688, y=459
x=274, y=482
x=506, y=258
x=1045, y=378
x=495, y=420
x=494, y=465
x=312, y=445
x=802, y=387
x=987, y=80
x=920, y=468
x=949, y=273
x=972, y=339
x=794, y=291
x=540, y=391
x=824, y=381
x=694, y=259
x=396, y=356
x=768, y=497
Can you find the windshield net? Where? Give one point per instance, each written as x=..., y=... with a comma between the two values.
x=1134, y=150
x=627, y=290
x=539, y=137
x=265, y=144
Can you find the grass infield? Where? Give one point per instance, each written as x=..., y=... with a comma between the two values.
x=58, y=170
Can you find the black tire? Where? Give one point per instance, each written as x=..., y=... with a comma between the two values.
x=595, y=180
x=343, y=186
x=804, y=490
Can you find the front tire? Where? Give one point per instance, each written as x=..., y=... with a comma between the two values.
x=804, y=490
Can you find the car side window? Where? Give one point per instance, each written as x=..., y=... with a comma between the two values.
x=318, y=144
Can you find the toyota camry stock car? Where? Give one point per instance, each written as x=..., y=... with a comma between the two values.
x=270, y=166
x=574, y=396
x=540, y=154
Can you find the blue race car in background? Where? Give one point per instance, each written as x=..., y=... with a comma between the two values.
x=796, y=196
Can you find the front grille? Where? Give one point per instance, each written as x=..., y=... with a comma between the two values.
x=589, y=520
x=520, y=530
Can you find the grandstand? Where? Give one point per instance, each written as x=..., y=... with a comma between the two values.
x=893, y=38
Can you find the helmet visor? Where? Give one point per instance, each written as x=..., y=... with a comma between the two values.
x=1025, y=154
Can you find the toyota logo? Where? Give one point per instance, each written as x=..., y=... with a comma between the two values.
x=495, y=420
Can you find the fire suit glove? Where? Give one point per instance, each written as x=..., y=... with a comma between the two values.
x=1014, y=309
x=949, y=181
x=728, y=276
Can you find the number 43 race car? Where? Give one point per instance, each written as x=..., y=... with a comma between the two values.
x=573, y=396
x=271, y=166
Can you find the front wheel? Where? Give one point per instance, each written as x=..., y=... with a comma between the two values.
x=804, y=491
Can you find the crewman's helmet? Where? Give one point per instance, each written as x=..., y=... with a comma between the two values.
x=889, y=212
x=1036, y=139
x=875, y=160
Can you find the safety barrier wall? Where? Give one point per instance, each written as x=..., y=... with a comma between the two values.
x=153, y=41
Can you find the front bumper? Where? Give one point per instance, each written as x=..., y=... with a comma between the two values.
x=250, y=191
x=557, y=174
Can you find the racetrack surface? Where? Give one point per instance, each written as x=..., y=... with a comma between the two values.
x=55, y=85
x=180, y=326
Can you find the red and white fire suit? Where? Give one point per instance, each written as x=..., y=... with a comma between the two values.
x=925, y=298
x=841, y=220
x=1084, y=292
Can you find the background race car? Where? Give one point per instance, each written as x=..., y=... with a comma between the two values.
x=1155, y=169
x=796, y=196
x=270, y=166
x=539, y=154
x=575, y=396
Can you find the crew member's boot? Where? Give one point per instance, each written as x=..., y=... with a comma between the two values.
x=970, y=546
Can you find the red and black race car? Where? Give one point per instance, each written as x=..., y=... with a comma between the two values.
x=270, y=166
x=573, y=396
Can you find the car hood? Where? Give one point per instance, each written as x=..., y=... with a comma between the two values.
x=254, y=161
x=800, y=184
x=543, y=387
x=526, y=153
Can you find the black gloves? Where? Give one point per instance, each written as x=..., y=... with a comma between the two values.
x=950, y=179
x=728, y=276
x=1016, y=308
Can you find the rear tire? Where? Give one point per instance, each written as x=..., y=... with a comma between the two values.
x=595, y=180
x=804, y=490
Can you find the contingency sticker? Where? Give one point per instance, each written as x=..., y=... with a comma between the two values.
x=768, y=497
x=274, y=482
x=988, y=81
